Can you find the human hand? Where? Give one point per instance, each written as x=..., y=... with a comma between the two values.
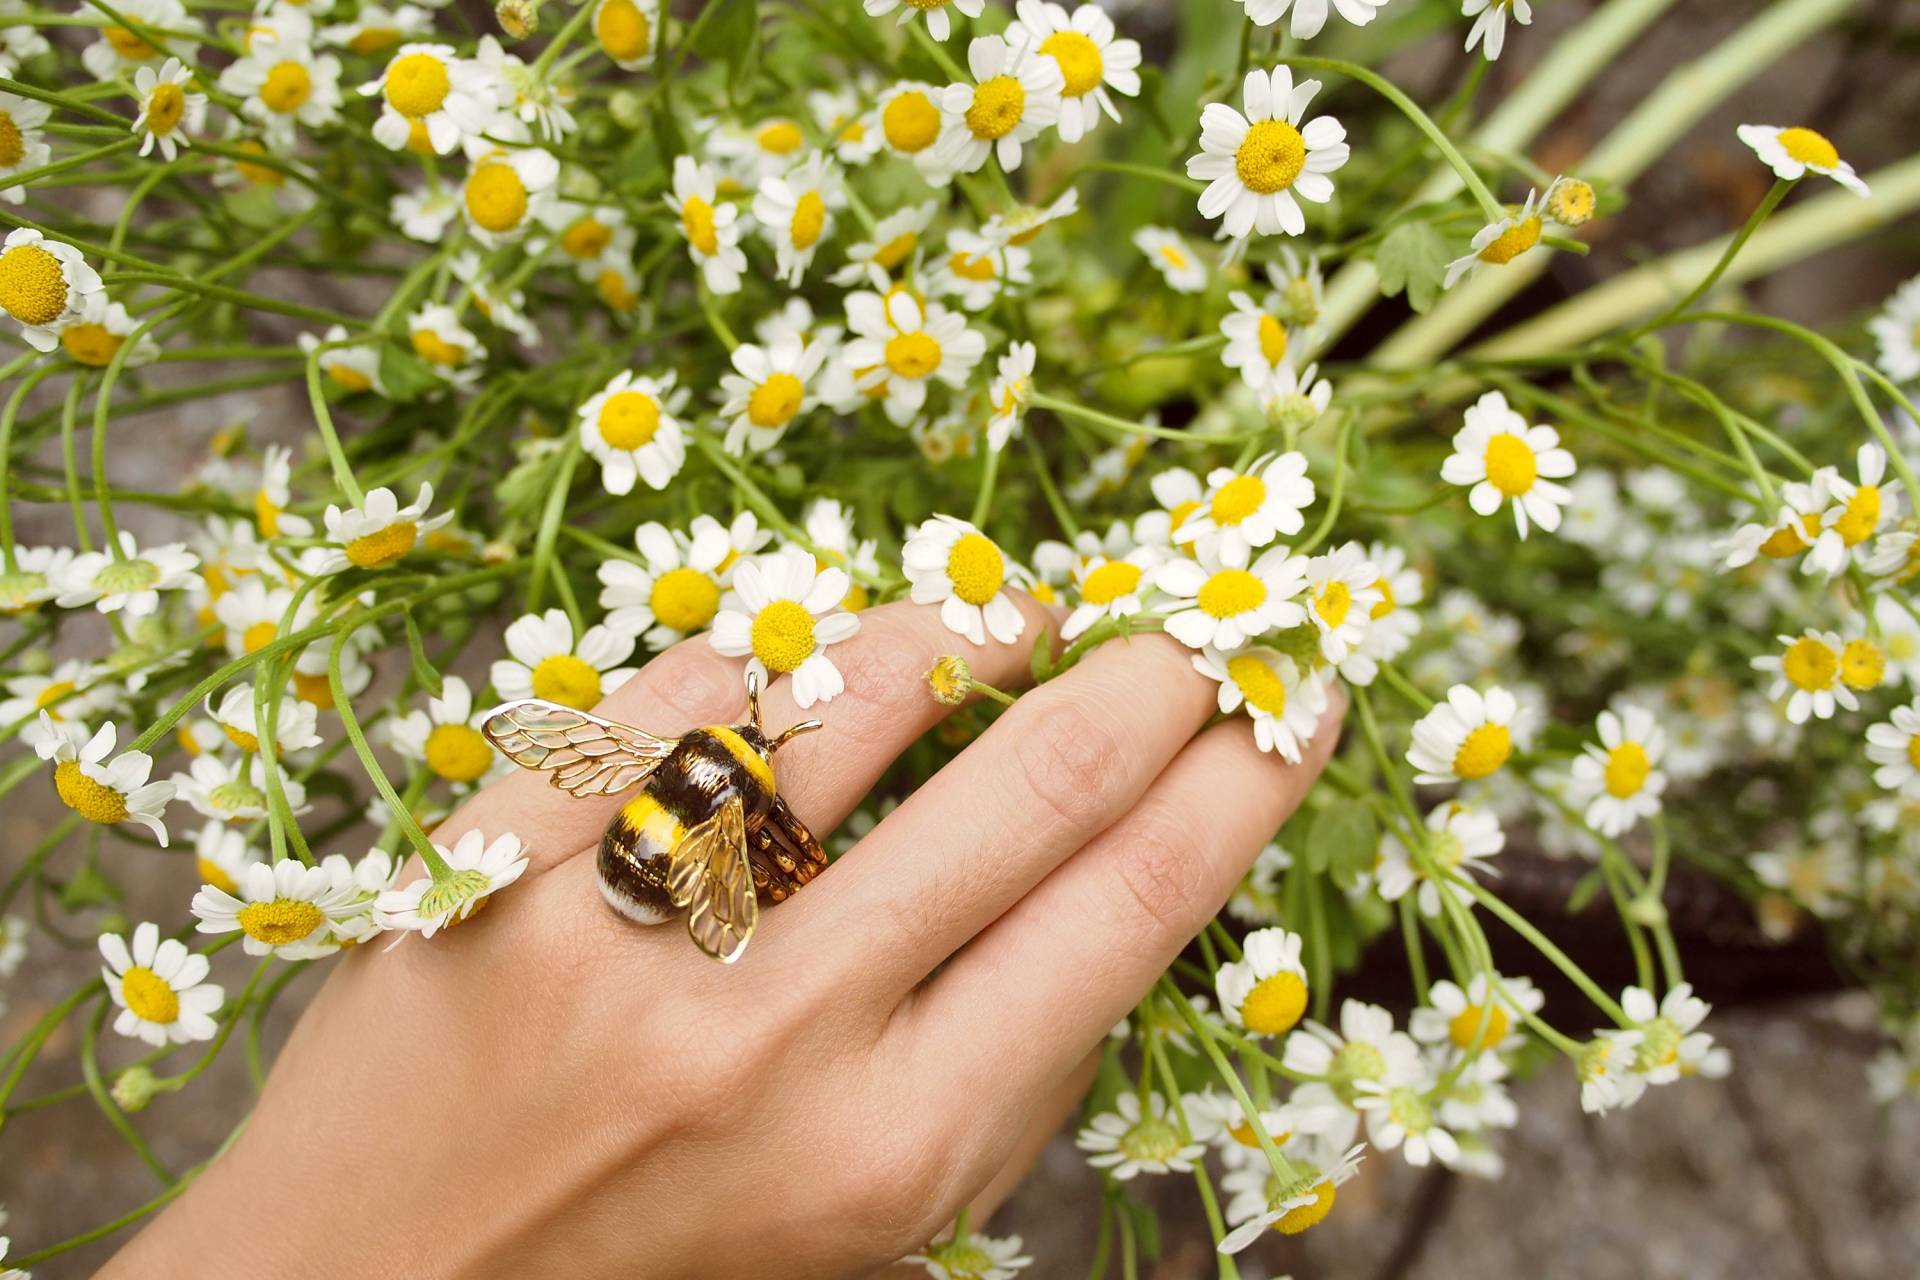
x=552, y=1090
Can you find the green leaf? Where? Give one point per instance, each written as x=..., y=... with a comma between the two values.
x=1342, y=842
x=1412, y=257
x=1583, y=892
x=88, y=888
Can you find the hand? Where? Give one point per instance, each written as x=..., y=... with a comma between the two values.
x=547, y=1089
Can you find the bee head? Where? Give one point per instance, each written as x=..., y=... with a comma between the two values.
x=755, y=732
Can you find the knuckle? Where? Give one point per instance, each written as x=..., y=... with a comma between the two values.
x=1161, y=870
x=902, y=1199
x=1070, y=758
x=687, y=685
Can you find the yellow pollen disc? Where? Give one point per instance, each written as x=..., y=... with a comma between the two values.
x=614, y=290
x=1230, y=593
x=970, y=267
x=258, y=174
x=1275, y=1003
x=370, y=40
x=1080, y=62
x=94, y=801
x=1810, y=664
x=148, y=995
x=1572, y=203
x=568, y=680
x=1110, y=581
x=925, y=4
x=241, y=738
x=349, y=377
x=133, y=48
x=33, y=288
x=1512, y=242
x=90, y=344
x=1809, y=148
x=1862, y=516
x=436, y=350
x=775, y=401
x=165, y=105
x=1627, y=769
x=1180, y=515
x=51, y=694
x=1044, y=593
x=809, y=218
x=1511, y=466
x=1259, y=684
x=783, y=636
x=684, y=599
x=1862, y=665
x=910, y=122
x=629, y=419
x=496, y=198
x=1483, y=752
x=1462, y=1030
x=1273, y=339
x=998, y=105
x=280, y=921
x=257, y=636
x=214, y=874
x=1237, y=499
x=1913, y=751
x=287, y=88
x=622, y=30
x=1270, y=157
x=781, y=138
x=1333, y=603
x=912, y=355
x=457, y=752
x=383, y=546
x=1171, y=255
x=417, y=85
x=976, y=568
x=587, y=238
x=1294, y=1221
x=696, y=219
x=13, y=147
x=1787, y=541
x=1386, y=604
x=895, y=251
x=315, y=690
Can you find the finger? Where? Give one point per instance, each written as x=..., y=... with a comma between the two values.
x=1079, y=951
x=1054, y=770
x=1049, y=1114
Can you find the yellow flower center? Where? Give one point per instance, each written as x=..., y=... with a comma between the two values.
x=895, y=251
x=629, y=419
x=1110, y=581
x=1862, y=516
x=1511, y=466
x=1465, y=1030
x=1333, y=603
x=696, y=219
x=33, y=288
x=1913, y=751
x=1237, y=499
x=1171, y=255
x=241, y=738
x=259, y=174
x=783, y=636
x=214, y=874
x=1079, y=59
x=1572, y=203
x=1275, y=1003
x=129, y=45
x=1230, y=593
x=588, y=237
x=53, y=693
x=347, y=376
x=13, y=147
x=614, y=290
x=622, y=30
x=1809, y=148
x=315, y=690
x=1386, y=605
x=912, y=355
x=976, y=568
x=1862, y=665
x=1273, y=338
x=910, y=122
x=457, y=752
x=780, y=138
x=568, y=680
x=287, y=88
x=1512, y=242
x=257, y=636
x=684, y=599
x=1259, y=683
x=809, y=217
x=1810, y=664
x=972, y=267
x=775, y=401
x=90, y=344
x=436, y=350
x=998, y=104
x=1627, y=769
x=383, y=546
x=417, y=85
x=1483, y=752
x=149, y=996
x=94, y=801
x=1787, y=541
x=369, y=40
x=1296, y=1220
x=496, y=198
x=1270, y=156
x=280, y=921
x=165, y=105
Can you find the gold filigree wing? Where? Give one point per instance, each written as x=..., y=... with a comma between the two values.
x=586, y=755
x=711, y=877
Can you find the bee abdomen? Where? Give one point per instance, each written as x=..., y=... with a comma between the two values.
x=633, y=860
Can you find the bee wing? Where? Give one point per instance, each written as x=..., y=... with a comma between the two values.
x=586, y=755
x=712, y=878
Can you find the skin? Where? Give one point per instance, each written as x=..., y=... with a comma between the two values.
x=547, y=1089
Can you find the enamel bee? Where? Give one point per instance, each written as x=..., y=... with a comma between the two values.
x=707, y=834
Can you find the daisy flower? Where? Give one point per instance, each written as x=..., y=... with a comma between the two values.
x=43, y=284
x=1168, y=252
x=1403, y=1119
x=1476, y=1020
x=1023, y=223
x=285, y=908
x=160, y=988
x=438, y=337
x=1489, y=29
x=1668, y=1043
x=1807, y=674
x=1256, y=338
x=18, y=44
x=1618, y=781
x=121, y=47
x=1007, y=397
x=221, y=856
x=1366, y=1050
x=479, y=870
x=169, y=112
x=1265, y=990
x=839, y=113
x=1391, y=625
x=425, y=215
x=632, y=429
x=1257, y=163
x=1129, y=1143
x=1342, y=589
x=22, y=145
x=785, y=616
x=1795, y=525
x=445, y=735
x=1504, y=460
x=677, y=591
x=1284, y=702
x=376, y=28
x=1310, y=15
x=352, y=368
x=506, y=190
x=895, y=239
x=1896, y=331
x=378, y=531
x=94, y=336
x=1090, y=59
x=829, y=526
x=132, y=581
x=430, y=100
x=939, y=25
x=285, y=83
x=1108, y=587
x=795, y=213
x=1894, y=745
x=1459, y=840
x=1014, y=97
x=712, y=231
x=978, y=269
x=1794, y=152
x=96, y=784
x=295, y=723
x=36, y=578
x=1263, y=1202
x=72, y=690
x=251, y=611
x=625, y=30
x=769, y=389
x=545, y=662
x=952, y=564
x=900, y=346
x=234, y=789
x=1467, y=737
x=909, y=118
x=1246, y=510
x=1219, y=605
x=1859, y=511
x=972, y=1256
x=1500, y=242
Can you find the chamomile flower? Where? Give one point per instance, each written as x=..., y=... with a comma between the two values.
x=1505, y=460
x=1256, y=338
x=352, y=368
x=1014, y=98
x=1008, y=396
x=430, y=100
x=908, y=113
x=121, y=47
x=1795, y=525
x=1128, y=1142
x=284, y=83
x=1403, y=1119
x=131, y=581
x=829, y=526
x=295, y=723
x=1258, y=166
x=1177, y=264
x=1667, y=1042
x=94, y=336
x=1618, y=780
x=1391, y=623
x=978, y=269
x=1342, y=588
x=169, y=111
x=939, y=25
x=712, y=230
x=252, y=610
x=1265, y=990
x=632, y=428
x=378, y=531
x=1484, y=1018
x=1023, y=223
x=952, y=564
x=234, y=788
x=1295, y=398
x=376, y=28
x=900, y=346
x=1894, y=745
x=1489, y=29
x=1896, y=331
x=678, y=590
x=1859, y=511
x=626, y=31
x=1366, y=1050
x=1284, y=702
x=1807, y=674
x=972, y=1256
x=35, y=579
x=896, y=238
x=284, y=909
x=445, y=736
x=425, y=215
x=1309, y=16
x=1224, y=606
x=506, y=190
x=161, y=988
x=22, y=144
x=72, y=690
x=96, y=784
x=795, y=213
x=1501, y=241
x=1090, y=58
x=221, y=856
x=1796, y=151
x=43, y=285
x=545, y=661
x=1459, y=840
x=1465, y=738
x=1261, y=1202
x=771, y=387
x=1246, y=510
x=785, y=615
x=478, y=869
x=1109, y=587
x=449, y=347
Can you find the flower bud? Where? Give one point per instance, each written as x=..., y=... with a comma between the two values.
x=518, y=18
x=950, y=680
x=1570, y=202
x=627, y=108
x=1299, y=304
x=135, y=1087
